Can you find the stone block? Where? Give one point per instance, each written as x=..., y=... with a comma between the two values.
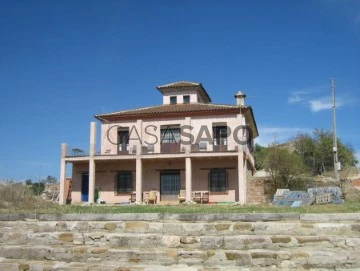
x=110, y=226
x=222, y=227
x=99, y=250
x=136, y=226
x=280, y=239
x=243, y=227
x=66, y=237
x=189, y=240
x=170, y=241
x=312, y=239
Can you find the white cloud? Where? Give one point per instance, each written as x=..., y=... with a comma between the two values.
x=309, y=97
x=320, y=104
x=269, y=135
x=302, y=95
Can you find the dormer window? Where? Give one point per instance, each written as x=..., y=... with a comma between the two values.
x=186, y=99
x=173, y=100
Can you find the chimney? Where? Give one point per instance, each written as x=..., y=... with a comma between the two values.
x=240, y=98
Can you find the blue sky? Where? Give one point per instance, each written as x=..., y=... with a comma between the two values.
x=61, y=62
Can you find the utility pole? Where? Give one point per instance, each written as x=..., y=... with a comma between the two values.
x=335, y=149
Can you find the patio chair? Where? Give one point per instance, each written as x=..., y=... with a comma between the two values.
x=132, y=197
x=205, y=197
x=152, y=197
x=146, y=197
x=197, y=197
x=182, y=195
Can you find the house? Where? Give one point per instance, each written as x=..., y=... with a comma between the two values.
x=186, y=143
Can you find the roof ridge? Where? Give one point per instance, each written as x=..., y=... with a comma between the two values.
x=179, y=84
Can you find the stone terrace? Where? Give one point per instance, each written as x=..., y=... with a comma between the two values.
x=178, y=242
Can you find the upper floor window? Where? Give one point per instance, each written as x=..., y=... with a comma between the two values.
x=123, y=139
x=173, y=100
x=186, y=99
x=220, y=135
x=170, y=134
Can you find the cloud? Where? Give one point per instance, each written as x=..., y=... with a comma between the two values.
x=302, y=95
x=269, y=135
x=309, y=97
x=320, y=104
x=297, y=97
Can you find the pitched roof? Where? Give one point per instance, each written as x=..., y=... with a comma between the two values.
x=180, y=110
x=166, y=110
x=185, y=85
x=179, y=84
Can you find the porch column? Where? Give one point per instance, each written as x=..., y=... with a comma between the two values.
x=241, y=178
x=188, y=178
x=62, y=173
x=138, y=180
x=92, y=162
x=91, y=180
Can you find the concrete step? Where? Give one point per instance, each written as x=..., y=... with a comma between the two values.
x=300, y=257
x=25, y=265
x=187, y=228
x=159, y=240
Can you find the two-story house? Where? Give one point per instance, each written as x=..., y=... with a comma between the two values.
x=187, y=143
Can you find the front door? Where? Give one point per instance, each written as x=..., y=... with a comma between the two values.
x=85, y=187
x=169, y=185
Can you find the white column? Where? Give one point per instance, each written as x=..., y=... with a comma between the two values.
x=241, y=179
x=91, y=180
x=138, y=180
x=62, y=173
x=241, y=169
x=188, y=178
x=92, y=162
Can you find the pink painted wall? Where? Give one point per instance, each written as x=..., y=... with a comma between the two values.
x=106, y=172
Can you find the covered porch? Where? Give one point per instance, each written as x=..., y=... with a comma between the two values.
x=173, y=180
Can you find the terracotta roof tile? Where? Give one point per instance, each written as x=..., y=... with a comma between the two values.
x=180, y=84
x=167, y=109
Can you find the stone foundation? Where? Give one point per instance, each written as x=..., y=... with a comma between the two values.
x=180, y=242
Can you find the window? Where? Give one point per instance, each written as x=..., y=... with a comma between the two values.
x=186, y=99
x=170, y=134
x=218, y=180
x=220, y=135
x=170, y=139
x=124, y=182
x=123, y=140
x=173, y=100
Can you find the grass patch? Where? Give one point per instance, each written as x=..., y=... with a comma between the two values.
x=52, y=208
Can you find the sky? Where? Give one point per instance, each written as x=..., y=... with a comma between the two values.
x=61, y=62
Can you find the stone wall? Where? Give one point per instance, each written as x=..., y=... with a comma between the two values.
x=192, y=242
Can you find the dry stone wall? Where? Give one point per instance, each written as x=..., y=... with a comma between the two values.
x=180, y=242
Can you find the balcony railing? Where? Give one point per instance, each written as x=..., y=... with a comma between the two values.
x=76, y=152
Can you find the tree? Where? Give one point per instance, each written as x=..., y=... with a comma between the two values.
x=317, y=151
x=50, y=180
x=283, y=166
x=260, y=153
